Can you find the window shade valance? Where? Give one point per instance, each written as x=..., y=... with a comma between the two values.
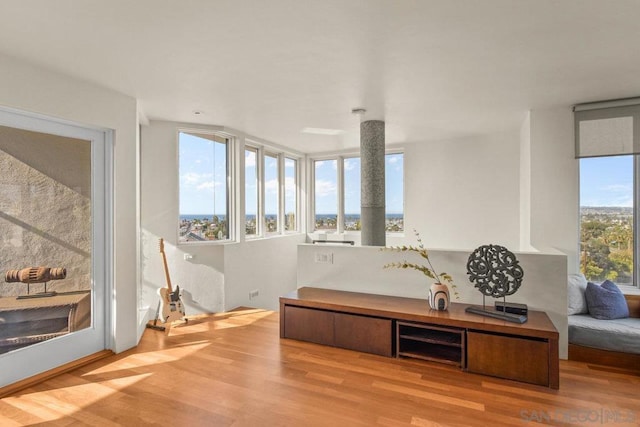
x=608, y=128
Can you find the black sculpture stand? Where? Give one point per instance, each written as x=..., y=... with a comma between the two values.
x=496, y=272
x=515, y=318
x=39, y=294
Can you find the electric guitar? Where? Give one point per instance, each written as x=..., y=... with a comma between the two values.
x=172, y=308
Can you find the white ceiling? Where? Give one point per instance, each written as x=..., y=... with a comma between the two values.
x=432, y=69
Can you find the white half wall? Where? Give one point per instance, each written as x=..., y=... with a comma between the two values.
x=268, y=266
x=360, y=269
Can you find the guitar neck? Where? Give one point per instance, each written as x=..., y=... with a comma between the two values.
x=166, y=272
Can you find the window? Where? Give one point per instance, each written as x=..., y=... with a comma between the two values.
x=351, y=166
x=251, y=192
x=290, y=194
x=204, y=187
x=607, y=218
x=608, y=146
x=327, y=193
x=271, y=193
x=394, y=192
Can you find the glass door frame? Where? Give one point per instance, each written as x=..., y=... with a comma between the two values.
x=25, y=362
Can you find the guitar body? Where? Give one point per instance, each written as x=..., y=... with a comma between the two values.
x=172, y=308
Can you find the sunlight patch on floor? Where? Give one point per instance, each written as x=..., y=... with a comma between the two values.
x=55, y=404
x=207, y=322
x=150, y=358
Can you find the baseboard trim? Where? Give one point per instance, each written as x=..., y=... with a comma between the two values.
x=28, y=382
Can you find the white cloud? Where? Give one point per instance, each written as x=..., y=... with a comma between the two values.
x=290, y=187
x=325, y=188
x=618, y=188
x=208, y=185
x=393, y=159
x=194, y=179
x=271, y=186
x=249, y=159
x=323, y=163
x=271, y=162
x=350, y=164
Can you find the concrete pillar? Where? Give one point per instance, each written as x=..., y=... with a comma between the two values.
x=372, y=214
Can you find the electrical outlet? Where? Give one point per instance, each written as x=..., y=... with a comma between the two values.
x=324, y=258
x=254, y=294
x=188, y=257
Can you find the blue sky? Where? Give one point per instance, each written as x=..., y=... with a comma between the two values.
x=202, y=169
x=326, y=185
x=606, y=181
x=271, y=184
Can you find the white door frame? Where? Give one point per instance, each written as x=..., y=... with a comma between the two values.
x=23, y=363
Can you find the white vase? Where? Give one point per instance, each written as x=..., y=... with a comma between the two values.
x=439, y=297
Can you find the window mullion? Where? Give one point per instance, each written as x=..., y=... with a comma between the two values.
x=636, y=221
x=340, y=179
x=311, y=195
x=281, y=193
x=260, y=220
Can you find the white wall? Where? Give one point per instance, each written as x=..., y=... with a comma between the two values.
x=32, y=89
x=525, y=184
x=460, y=193
x=201, y=278
x=360, y=269
x=219, y=276
x=555, y=213
x=464, y=193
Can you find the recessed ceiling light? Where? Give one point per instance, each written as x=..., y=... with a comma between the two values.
x=321, y=131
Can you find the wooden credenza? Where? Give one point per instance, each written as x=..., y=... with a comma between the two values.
x=406, y=327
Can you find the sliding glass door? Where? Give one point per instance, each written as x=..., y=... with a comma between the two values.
x=54, y=243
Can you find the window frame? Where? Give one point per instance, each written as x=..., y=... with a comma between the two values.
x=258, y=233
x=264, y=150
x=636, y=221
x=297, y=181
x=635, y=276
x=278, y=159
x=230, y=199
x=340, y=184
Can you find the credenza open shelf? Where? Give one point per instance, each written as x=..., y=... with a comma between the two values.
x=429, y=342
x=406, y=327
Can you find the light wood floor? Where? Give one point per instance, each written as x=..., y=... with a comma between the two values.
x=236, y=371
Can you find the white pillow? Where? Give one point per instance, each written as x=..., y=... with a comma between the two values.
x=576, y=301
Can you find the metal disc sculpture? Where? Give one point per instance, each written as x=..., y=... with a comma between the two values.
x=496, y=272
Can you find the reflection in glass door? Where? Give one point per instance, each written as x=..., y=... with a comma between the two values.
x=52, y=226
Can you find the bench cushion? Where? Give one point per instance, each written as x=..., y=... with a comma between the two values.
x=577, y=302
x=616, y=335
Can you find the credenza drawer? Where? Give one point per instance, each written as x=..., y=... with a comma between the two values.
x=509, y=357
